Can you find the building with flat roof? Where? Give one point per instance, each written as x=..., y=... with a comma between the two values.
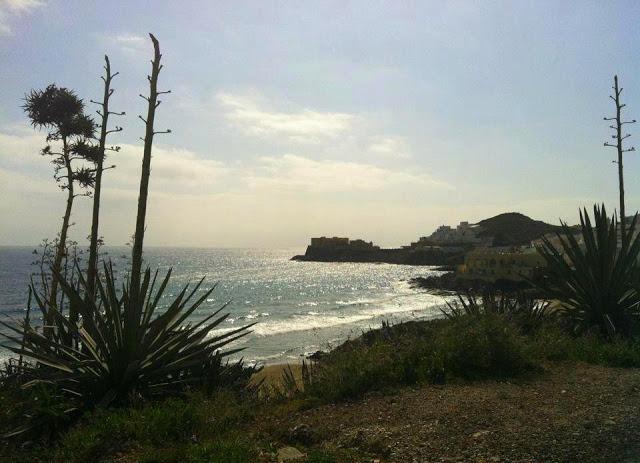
x=515, y=264
x=324, y=242
x=337, y=242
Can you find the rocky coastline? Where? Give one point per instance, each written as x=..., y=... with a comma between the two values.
x=449, y=282
x=402, y=256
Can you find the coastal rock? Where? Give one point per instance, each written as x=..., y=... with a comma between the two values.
x=317, y=355
x=290, y=455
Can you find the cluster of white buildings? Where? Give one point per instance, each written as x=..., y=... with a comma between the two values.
x=464, y=233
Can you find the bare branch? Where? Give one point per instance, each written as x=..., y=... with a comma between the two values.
x=162, y=131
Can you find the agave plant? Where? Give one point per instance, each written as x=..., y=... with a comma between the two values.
x=123, y=347
x=292, y=384
x=597, y=281
x=527, y=312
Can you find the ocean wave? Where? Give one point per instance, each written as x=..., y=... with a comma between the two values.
x=361, y=301
x=316, y=321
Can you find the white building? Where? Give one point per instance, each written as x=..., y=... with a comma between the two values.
x=463, y=233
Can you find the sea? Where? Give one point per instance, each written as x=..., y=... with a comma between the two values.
x=299, y=307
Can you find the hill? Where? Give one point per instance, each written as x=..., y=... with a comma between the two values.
x=513, y=228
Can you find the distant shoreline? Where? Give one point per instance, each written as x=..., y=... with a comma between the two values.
x=401, y=256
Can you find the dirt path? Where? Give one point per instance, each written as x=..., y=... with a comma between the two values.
x=572, y=413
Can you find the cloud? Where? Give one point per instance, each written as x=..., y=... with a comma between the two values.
x=178, y=171
x=302, y=126
x=392, y=147
x=296, y=173
x=196, y=200
x=131, y=44
x=174, y=170
x=20, y=6
x=20, y=151
x=10, y=8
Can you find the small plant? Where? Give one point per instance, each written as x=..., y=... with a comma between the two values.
x=290, y=384
x=596, y=280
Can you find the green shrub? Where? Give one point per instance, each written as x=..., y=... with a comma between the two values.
x=351, y=373
x=485, y=347
x=103, y=431
x=38, y=412
x=170, y=423
x=224, y=450
x=321, y=457
x=552, y=343
x=618, y=352
x=464, y=348
x=234, y=450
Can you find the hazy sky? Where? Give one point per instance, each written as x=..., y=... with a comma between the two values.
x=379, y=120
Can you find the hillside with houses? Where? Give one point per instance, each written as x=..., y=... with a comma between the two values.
x=502, y=247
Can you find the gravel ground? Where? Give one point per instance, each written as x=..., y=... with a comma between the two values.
x=571, y=413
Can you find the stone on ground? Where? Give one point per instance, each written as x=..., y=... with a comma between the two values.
x=290, y=455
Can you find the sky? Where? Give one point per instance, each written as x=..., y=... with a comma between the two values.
x=378, y=120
